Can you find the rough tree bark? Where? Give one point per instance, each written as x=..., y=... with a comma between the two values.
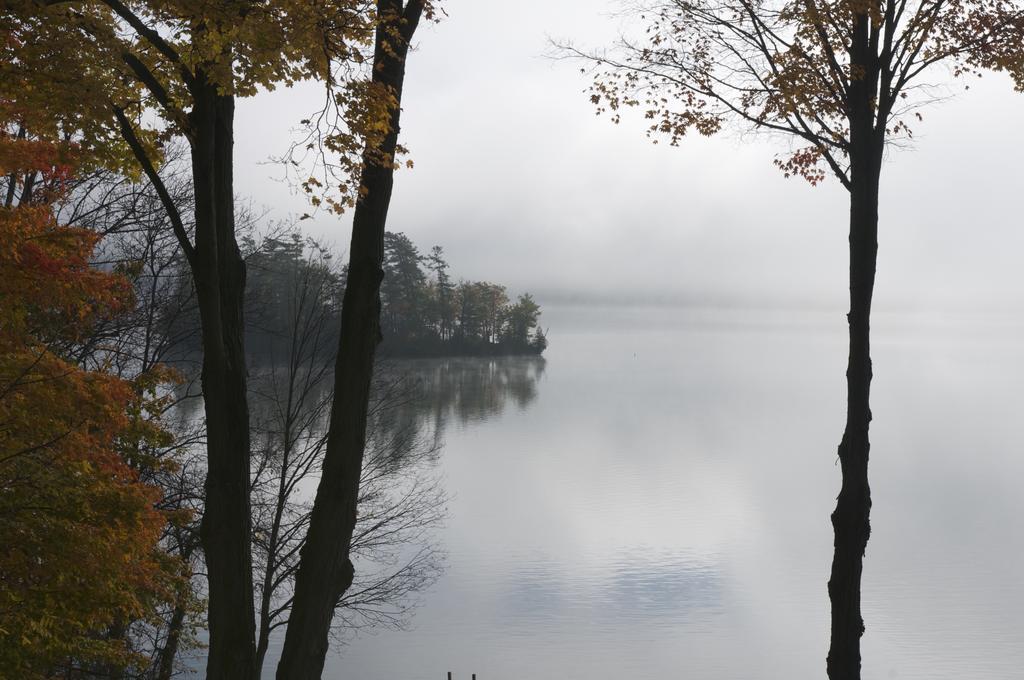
x=851, y=518
x=219, y=275
x=325, y=570
x=218, y=272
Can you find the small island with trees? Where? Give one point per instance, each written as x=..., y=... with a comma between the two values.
x=425, y=312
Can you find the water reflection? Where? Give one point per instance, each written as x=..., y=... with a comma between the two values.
x=660, y=509
x=458, y=392
x=654, y=502
x=396, y=549
x=410, y=396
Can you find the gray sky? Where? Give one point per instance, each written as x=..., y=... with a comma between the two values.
x=522, y=184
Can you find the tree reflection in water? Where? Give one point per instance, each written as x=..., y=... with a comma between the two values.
x=396, y=551
x=454, y=391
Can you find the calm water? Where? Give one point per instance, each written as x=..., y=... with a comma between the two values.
x=652, y=501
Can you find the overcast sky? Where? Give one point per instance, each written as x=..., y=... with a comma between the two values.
x=522, y=184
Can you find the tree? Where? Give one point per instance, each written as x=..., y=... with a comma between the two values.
x=521, y=319
x=293, y=280
x=844, y=78
x=293, y=296
x=495, y=300
x=292, y=399
x=471, y=311
x=430, y=316
x=443, y=312
x=326, y=571
x=160, y=330
x=186, y=62
x=402, y=288
x=540, y=341
x=293, y=388
x=79, y=527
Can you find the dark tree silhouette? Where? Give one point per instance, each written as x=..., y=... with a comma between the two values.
x=429, y=316
x=149, y=71
x=325, y=571
x=844, y=78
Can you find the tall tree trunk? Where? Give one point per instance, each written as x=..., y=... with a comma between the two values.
x=850, y=520
x=325, y=570
x=219, y=274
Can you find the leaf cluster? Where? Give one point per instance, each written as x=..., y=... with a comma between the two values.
x=805, y=69
x=80, y=529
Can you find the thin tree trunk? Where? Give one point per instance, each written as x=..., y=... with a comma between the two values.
x=219, y=275
x=263, y=638
x=325, y=570
x=168, y=653
x=270, y=568
x=269, y=573
x=27, y=188
x=850, y=520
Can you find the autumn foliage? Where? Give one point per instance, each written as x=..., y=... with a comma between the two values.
x=79, y=530
x=797, y=68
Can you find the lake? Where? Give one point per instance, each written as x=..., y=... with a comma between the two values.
x=652, y=500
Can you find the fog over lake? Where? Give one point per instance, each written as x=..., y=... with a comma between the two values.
x=659, y=506
x=464, y=340
x=652, y=499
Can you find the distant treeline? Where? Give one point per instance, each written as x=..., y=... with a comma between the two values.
x=425, y=312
